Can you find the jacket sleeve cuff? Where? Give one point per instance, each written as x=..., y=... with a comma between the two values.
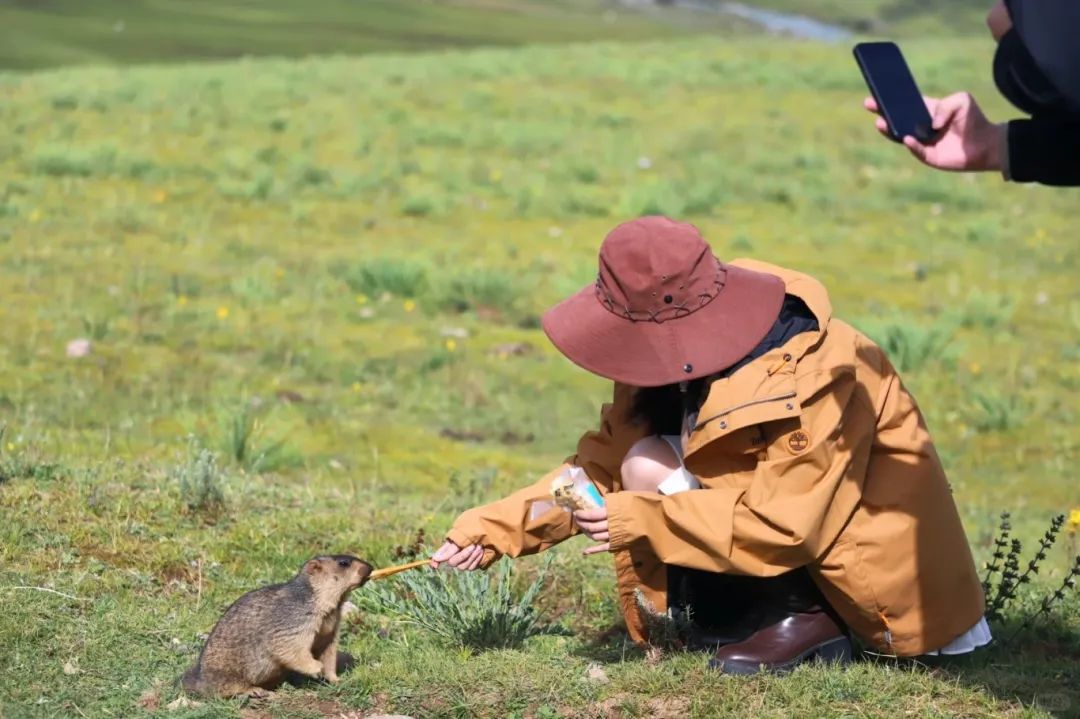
x=622, y=529
x=459, y=537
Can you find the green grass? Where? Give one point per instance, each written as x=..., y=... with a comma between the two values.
x=71, y=32
x=235, y=270
x=909, y=18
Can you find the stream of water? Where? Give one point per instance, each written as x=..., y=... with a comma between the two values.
x=773, y=21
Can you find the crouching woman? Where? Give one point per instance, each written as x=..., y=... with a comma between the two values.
x=761, y=463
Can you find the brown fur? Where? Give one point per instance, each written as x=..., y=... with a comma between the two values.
x=270, y=632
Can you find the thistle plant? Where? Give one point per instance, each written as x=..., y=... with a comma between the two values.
x=1000, y=543
x=1005, y=563
x=1051, y=600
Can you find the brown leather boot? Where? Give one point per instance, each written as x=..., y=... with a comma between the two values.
x=780, y=647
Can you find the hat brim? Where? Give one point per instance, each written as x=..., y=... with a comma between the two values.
x=653, y=354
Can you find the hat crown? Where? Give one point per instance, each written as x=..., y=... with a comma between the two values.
x=656, y=269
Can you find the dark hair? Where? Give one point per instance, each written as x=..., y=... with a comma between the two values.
x=661, y=409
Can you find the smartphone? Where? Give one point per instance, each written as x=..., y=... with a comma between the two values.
x=893, y=87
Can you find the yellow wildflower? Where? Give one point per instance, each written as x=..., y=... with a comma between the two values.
x=451, y=345
x=279, y=273
x=222, y=312
x=361, y=299
x=1074, y=521
x=10, y=446
x=409, y=305
x=356, y=386
x=160, y=196
x=495, y=175
x=35, y=215
x=182, y=300
x=975, y=368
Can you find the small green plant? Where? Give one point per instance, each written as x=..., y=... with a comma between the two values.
x=473, y=490
x=985, y=310
x=911, y=347
x=20, y=466
x=244, y=443
x=1003, y=578
x=400, y=278
x=469, y=609
x=199, y=479
x=419, y=206
x=993, y=411
x=480, y=288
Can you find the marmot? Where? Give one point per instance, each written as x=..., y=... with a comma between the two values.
x=283, y=628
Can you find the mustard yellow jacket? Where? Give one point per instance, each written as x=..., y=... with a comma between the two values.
x=812, y=455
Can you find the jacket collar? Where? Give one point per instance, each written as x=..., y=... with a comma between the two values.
x=764, y=389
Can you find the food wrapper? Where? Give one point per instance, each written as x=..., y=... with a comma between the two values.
x=571, y=490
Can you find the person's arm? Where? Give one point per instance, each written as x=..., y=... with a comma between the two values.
x=1044, y=150
x=504, y=527
x=791, y=512
x=796, y=506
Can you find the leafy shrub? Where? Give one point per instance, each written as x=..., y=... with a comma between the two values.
x=98, y=160
x=439, y=358
x=910, y=346
x=199, y=479
x=993, y=411
x=470, y=491
x=986, y=310
x=21, y=466
x=470, y=289
x=245, y=444
x=400, y=278
x=1005, y=566
x=419, y=206
x=257, y=187
x=468, y=609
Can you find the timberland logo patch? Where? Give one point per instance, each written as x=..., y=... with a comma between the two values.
x=798, y=441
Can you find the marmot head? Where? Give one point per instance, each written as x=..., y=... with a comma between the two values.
x=338, y=574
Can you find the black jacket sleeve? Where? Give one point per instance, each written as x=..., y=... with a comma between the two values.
x=1046, y=151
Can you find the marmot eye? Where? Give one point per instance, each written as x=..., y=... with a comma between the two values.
x=344, y=562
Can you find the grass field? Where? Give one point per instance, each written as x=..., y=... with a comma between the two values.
x=70, y=32
x=51, y=33
x=330, y=271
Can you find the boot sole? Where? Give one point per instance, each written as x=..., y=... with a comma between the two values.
x=834, y=651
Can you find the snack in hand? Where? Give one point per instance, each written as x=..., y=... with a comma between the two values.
x=573, y=490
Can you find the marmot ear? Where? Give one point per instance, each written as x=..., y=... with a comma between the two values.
x=312, y=566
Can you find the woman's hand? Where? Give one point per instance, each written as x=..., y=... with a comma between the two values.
x=594, y=524
x=465, y=558
x=967, y=140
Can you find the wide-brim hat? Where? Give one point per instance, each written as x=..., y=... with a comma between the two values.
x=663, y=309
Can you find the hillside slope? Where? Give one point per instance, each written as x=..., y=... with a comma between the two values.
x=72, y=32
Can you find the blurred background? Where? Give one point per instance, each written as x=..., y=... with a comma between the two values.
x=52, y=33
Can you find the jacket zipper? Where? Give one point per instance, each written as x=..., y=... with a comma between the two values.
x=744, y=405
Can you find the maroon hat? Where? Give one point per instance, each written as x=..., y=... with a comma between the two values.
x=663, y=308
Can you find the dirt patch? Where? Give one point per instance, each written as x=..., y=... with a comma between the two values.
x=668, y=708
x=509, y=437
x=512, y=349
x=297, y=702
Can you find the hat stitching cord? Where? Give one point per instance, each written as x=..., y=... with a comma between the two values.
x=676, y=311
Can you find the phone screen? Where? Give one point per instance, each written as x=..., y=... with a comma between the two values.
x=894, y=88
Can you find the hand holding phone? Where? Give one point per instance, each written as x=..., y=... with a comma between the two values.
x=895, y=91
